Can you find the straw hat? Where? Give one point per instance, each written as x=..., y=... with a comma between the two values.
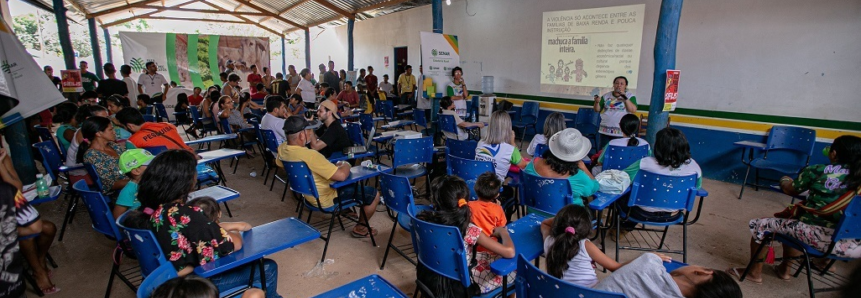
x=569, y=145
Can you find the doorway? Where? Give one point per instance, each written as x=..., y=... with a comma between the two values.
x=401, y=58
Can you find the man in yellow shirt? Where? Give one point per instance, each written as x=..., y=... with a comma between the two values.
x=406, y=87
x=299, y=133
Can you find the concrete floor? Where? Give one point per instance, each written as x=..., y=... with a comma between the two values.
x=718, y=240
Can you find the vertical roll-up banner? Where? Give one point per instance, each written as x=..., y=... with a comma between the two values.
x=440, y=54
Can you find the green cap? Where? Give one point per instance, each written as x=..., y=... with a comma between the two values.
x=133, y=159
x=826, y=150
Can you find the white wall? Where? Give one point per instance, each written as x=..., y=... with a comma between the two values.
x=789, y=58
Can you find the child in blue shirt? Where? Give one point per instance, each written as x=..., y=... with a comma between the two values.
x=133, y=163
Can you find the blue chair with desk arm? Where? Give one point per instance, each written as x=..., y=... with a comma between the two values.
x=795, y=146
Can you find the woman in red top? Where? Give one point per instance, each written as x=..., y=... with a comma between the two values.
x=253, y=79
x=196, y=98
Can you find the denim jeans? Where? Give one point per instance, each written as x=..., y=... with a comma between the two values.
x=239, y=277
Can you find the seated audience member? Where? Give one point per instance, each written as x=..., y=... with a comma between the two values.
x=554, y=123
x=195, y=98
x=143, y=102
x=449, y=196
x=259, y=93
x=89, y=98
x=20, y=219
x=65, y=115
x=229, y=112
x=150, y=134
x=349, y=96
x=813, y=220
x=564, y=160
x=164, y=189
x=100, y=150
x=447, y=106
x=247, y=107
x=299, y=132
x=630, y=127
x=296, y=106
x=133, y=163
x=84, y=113
x=274, y=118
x=646, y=276
x=332, y=136
x=193, y=286
x=330, y=95
x=210, y=208
x=487, y=214
x=498, y=147
x=182, y=105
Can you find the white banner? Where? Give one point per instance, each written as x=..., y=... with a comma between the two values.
x=23, y=79
x=440, y=54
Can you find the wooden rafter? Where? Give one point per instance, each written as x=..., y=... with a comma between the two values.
x=193, y=20
x=270, y=13
x=117, y=22
x=361, y=10
x=78, y=6
x=121, y=8
x=243, y=18
x=289, y=8
x=204, y=10
x=336, y=9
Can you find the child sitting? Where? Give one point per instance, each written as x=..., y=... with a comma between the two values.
x=193, y=286
x=133, y=163
x=447, y=106
x=554, y=123
x=487, y=214
x=630, y=126
x=449, y=195
x=210, y=208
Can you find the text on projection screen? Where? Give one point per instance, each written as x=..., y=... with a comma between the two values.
x=583, y=50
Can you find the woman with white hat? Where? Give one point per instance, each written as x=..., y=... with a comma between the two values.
x=564, y=160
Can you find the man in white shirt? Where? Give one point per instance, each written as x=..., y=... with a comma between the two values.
x=152, y=82
x=274, y=118
x=387, y=87
x=126, y=72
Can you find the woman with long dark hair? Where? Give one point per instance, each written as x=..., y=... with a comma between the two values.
x=186, y=235
x=99, y=149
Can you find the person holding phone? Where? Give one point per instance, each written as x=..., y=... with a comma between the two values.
x=613, y=106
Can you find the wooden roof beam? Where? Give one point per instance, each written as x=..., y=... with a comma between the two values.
x=269, y=13
x=336, y=9
x=381, y=5
x=243, y=18
x=196, y=20
x=289, y=8
x=121, y=8
x=204, y=10
x=117, y=22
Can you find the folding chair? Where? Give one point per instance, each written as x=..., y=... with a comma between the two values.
x=468, y=170
x=463, y=149
x=587, y=122
x=271, y=143
x=547, y=195
x=620, y=157
x=44, y=133
x=159, y=276
x=161, y=112
x=372, y=285
x=659, y=191
x=398, y=195
x=528, y=118
x=532, y=282
x=794, y=146
x=411, y=158
x=53, y=164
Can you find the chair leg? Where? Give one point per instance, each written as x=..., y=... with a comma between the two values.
x=114, y=271
x=284, y=194
x=663, y=237
x=274, y=177
x=744, y=182
x=684, y=243
x=228, y=210
x=756, y=181
x=235, y=166
x=809, y=277
x=618, y=231
x=753, y=260
x=73, y=200
x=389, y=246
x=364, y=216
x=328, y=237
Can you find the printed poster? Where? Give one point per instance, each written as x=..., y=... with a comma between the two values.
x=440, y=54
x=671, y=90
x=71, y=80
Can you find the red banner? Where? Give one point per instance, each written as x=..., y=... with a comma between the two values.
x=671, y=90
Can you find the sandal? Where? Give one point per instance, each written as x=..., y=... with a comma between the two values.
x=734, y=273
x=50, y=290
x=356, y=234
x=351, y=216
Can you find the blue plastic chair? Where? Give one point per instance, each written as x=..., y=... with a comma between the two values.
x=44, y=133
x=301, y=181
x=159, y=276
x=272, y=167
x=620, y=157
x=468, y=170
x=795, y=145
x=146, y=249
x=388, y=108
x=464, y=149
x=528, y=118
x=398, y=194
x=587, y=122
x=198, y=118
x=354, y=132
x=548, y=195
x=103, y=222
x=447, y=124
x=848, y=228
x=411, y=157
x=149, y=118
x=94, y=177
x=368, y=121
x=539, y=150
x=420, y=120
x=155, y=150
x=441, y=250
x=660, y=191
x=532, y=282
x=53, y=164
x=369, y=286
x=161, y=112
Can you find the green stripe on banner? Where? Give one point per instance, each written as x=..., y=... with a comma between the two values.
x=833, y=124
x=170, y=44
x=193, y=70
x=213, y=59
x=201, y=58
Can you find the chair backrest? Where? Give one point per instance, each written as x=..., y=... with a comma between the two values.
x=51, y=160
x=397, y=192
x=412, y=151
x=419, y=117
x=100, y=214
x=225, y=126
x=441, y=249
x=447, y=123
x=791, y=138
x=587, y=121
x=539, y=149
x=849, y=226
x=367, y=121
x=270, y=140
x=354, y=131
x=195, y=114
x=388, y=109
x=155, y=150
x=661, y=191
x=300, y=178
x=145, y=247
x=149, y=110
x=468, y=170
x=532, y=282
x=464, y=149
x=620, y=157
x=44, y=133
x=94, y=176
x=159, y=276
x=529, y=112
x=162, y=112
x=545, y=194
x=149, y=118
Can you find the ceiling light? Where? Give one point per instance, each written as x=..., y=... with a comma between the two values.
x=447, y=2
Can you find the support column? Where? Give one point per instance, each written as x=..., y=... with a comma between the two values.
x=665, y=58
x=351, y=23
x=63, y=34
x=108, y=46
x=308, y=50
x=283, y=56
x=436, y=7
x=94, y=43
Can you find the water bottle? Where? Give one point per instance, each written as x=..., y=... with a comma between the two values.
x=370, y=165
x=253, y=172
x=42, y=189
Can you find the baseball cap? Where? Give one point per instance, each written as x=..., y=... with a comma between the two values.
x=569, y=145
x=331, y=106
x=229, y=62
x=294, y=124
x=133, y=159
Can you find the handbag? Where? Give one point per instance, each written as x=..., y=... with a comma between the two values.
x=796, y=210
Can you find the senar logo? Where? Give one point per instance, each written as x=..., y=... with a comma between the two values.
x=137, y=64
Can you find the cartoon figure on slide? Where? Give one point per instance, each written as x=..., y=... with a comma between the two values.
x=578, y=72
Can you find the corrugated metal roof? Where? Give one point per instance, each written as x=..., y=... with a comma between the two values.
x=304, y=13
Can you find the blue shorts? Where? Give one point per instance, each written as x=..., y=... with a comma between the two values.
x=353, y=192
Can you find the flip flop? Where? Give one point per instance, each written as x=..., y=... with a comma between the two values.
x=50, y=290
x=351, y=216
x=362, y=235
x=734, y=272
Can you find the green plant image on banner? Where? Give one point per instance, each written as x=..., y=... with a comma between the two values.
x=202, y=59
x=213, y=59
x=170, y=47
x=193, y=62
